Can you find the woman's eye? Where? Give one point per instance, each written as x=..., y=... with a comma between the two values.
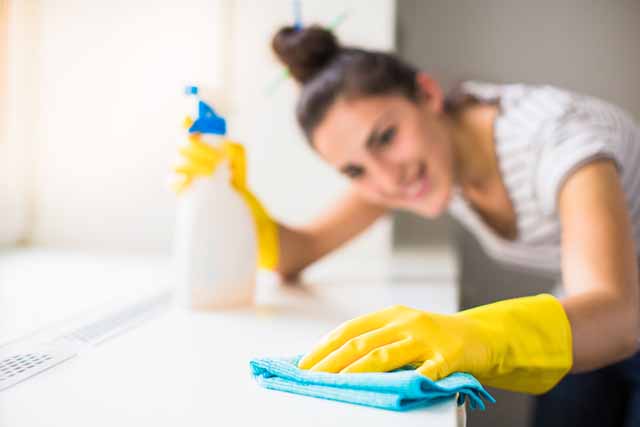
x=386, y=137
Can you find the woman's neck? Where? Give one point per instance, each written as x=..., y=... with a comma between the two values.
x=475, y=163
x=479, y=177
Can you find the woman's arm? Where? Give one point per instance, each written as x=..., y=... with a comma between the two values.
x=301, y=246
x=599, y=267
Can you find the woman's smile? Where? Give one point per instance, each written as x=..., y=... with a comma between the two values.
x=418, y=187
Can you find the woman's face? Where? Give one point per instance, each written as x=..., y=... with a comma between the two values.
x=397, y=153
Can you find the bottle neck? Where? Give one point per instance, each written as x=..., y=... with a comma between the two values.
x=212, y=139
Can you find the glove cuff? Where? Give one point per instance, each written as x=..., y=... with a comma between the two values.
x=267, y=234
x=266, y=228
x=538, y=347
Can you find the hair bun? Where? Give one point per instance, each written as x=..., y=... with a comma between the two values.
x=305, y=51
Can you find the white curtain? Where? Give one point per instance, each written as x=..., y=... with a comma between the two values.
x=17, y=19
x=110, y=106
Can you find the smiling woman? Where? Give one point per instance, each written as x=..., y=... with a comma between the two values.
x=364, y=111
x=546, y=178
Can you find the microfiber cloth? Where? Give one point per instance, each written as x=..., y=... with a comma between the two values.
x=398, y=390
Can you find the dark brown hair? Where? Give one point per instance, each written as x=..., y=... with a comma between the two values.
x=327, y=71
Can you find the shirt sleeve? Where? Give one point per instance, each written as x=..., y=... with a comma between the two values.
x=569, y=143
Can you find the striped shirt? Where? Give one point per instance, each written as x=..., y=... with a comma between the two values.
x=542, y=134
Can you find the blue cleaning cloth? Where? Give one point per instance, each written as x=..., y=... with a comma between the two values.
x=398, y=390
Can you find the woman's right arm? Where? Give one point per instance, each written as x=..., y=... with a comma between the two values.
x=301, y=246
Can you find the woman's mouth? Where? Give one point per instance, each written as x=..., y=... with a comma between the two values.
x=419, y=186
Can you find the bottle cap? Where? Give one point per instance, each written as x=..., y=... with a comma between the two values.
x=191, y=90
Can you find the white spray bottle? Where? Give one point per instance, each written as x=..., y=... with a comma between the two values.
x=215, y=240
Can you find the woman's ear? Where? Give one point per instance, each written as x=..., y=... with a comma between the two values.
x=430, y=92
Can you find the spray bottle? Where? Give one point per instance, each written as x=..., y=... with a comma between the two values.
x=215, y=241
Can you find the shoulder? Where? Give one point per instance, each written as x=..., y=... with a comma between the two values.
x=590, y=129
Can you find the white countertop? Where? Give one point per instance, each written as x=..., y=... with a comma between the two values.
x=189, y=368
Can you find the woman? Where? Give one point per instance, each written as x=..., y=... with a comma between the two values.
x=545, y=178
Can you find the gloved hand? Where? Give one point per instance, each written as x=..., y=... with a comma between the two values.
x=522, y=344
x=201, y=159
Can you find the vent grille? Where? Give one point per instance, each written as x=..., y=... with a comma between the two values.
x=22, y=365
x=114, y=324
x=18, y=364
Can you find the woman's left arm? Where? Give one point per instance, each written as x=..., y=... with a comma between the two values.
x=599, y=267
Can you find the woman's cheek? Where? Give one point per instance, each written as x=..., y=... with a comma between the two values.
x=371, y=193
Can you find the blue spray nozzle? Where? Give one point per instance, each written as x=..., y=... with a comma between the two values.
x=208, y=121
x=191, y=90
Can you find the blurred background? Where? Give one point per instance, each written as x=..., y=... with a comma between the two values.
x=91, y=109
x=95, y=107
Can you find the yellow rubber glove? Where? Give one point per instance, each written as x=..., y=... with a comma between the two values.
x=201, y=160
x=522, y=344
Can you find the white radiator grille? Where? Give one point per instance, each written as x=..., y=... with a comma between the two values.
x=17, y=366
